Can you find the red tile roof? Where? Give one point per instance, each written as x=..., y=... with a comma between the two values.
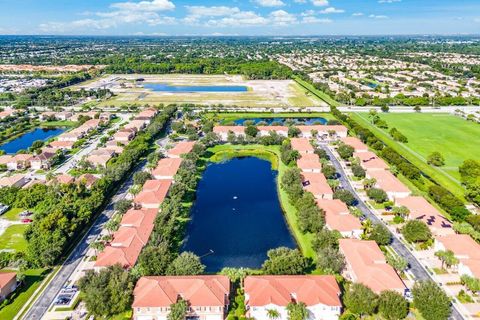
x=153, y=192
x=309, y=161
x=125, y=256
x=356, y=143
x=211, y=290
x=167, y=167
x=135, y=218
x=302, y=145
x=6, y=277
x=338, y=217
x=180, y=148
x=226, y=129
x=280, y=290
x=367, y=262
x=316, y=183
x=369, y=160
x=387, y=181
x=421, y=209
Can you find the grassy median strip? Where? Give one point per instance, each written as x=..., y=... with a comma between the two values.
x=272, y=154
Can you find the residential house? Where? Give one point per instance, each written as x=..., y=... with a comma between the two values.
x=15, y=180
x=62, y=145
x=42, y=161
x=71, y=136
x=370, y=161
x=62, y=179
x=124, y=256
x=223, y=131
x=302, y=145
x=320, y=293
x=338, y=217
x=366, y=264
x=355, y=143
x=466, y=250
x=386, y=181
x=309, y=162
x=8, y=284
x=153, y=194
x=124, y=135
x=421, y=209
x=265, y=130
x=317, y=184
x=207, y=296
x=167, y=168
x=87, y=179
x=180, y=149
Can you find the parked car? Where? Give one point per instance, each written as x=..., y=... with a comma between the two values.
x=26, y=213
x=27, y=220
x=3, y=208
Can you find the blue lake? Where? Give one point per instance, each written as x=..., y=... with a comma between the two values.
x=168, y=88
x=27, y=139
x=282, y=121
x=237, y=216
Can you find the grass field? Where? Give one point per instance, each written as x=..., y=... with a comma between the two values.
x=33, y=278
x=455, y=138
x=261, y=93
x=232, y=116
x=12, y=214
x=271, y=153
x=12, y=238
x=321, y=95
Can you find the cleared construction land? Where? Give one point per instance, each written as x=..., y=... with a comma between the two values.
x=258, y=93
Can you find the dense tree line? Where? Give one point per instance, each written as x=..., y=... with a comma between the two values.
x=62, y=212
x=454, y=206
x=260, y=69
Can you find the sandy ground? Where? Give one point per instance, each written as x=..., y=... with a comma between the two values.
x=261, y=93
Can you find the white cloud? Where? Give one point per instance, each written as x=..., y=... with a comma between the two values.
x=374, y=16
x=476, y=20
x=300, y=1
x=143, y=12
x=357, y=14
x=388, y=1
x=270, y=3
x=282, y=18
x=153, y=6
x=239, y=19
x=320, y=3
x=315, y=20
x=212, y=11
x=331, y=10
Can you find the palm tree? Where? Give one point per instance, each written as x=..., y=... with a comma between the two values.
x=273, y=314
x=447, y=258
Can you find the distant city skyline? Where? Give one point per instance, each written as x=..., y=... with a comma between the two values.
x=244, y=18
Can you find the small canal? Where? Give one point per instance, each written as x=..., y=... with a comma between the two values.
x=237, y=215
x=24, y=141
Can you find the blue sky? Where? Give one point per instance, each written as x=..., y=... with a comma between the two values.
x=235, y=17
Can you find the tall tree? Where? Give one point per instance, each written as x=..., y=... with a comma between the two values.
x=360, y=299
x=431, y=300
x=392, y=305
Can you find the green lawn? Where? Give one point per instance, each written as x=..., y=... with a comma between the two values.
x=12, y=238
x=33, y=278
x=271, y=153
x=455, y=138
x=64, y=123
x=12, y=214
x=232, y=116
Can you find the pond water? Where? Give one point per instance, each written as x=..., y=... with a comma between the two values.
x=282, y=121
x=237, y=216
x=27, y=139
x=168, y=88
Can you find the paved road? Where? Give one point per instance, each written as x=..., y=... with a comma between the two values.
x=72, y=162
x=43, y=302
x=415, y=267
x=47, y=297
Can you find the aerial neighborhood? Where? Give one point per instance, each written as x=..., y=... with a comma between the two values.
x=156, y=177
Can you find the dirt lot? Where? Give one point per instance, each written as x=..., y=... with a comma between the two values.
x=261, y=93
